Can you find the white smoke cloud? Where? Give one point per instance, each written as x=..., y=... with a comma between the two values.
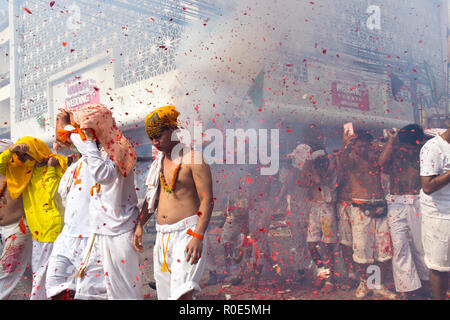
x=218, y=60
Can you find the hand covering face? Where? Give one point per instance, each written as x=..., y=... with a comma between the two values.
x=18, y=173
x=100, y=119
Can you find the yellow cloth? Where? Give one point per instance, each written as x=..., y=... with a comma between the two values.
x=38, y=187
x=159, y=119
x=18, y=174
x=41, y=202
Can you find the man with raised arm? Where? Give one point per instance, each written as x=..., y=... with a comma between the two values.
x=400, y=160
x=179, y=190
x=109, y=255
x=67, y=254
x=368, y=215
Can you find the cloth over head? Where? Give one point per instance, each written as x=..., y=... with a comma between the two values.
x=100, y=119
x=18, y=173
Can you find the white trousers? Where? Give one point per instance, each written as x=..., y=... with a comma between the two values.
x=15, y=258
x=112, y=271
x=408, y=263
x=170, y=245
x=297, y=219
x=64, y=261
x=39, y=262
x=322, y=225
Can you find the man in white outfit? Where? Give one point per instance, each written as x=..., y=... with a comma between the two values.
x=435, y=208
x=113, y=214
x=67, y=254
x=400, y=160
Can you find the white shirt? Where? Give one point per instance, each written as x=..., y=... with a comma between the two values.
x=152, y=182
x=434, y=161
x=75, y=186
x=114, y=209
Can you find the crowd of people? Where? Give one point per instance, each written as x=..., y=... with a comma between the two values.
x=379, y=203
x=77, y=223
x=78, y=226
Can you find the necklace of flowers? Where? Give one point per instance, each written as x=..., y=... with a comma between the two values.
x=174, y=179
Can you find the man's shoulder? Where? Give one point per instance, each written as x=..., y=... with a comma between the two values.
x=432, y=147
x=433, y=143
x=193, y=157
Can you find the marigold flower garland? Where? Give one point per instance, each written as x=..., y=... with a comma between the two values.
x=174, y=180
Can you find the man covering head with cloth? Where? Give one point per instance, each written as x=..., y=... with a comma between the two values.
x=400, y=160
x=33, y=172
x=180, y=191
x=113, y=211
x=69, y=247
x=16, y=237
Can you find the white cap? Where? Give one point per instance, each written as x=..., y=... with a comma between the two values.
x=300, y=154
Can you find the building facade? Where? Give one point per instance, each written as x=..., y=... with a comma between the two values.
x=375, y=63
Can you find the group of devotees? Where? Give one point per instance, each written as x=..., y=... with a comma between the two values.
x=76, y=221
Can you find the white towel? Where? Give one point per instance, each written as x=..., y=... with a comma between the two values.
x=434, y=131
x=152, y=182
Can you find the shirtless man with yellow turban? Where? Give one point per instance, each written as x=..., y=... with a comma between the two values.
x=179, y=190
x=33, y=172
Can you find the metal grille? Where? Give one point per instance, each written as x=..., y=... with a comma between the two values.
x=54, y=38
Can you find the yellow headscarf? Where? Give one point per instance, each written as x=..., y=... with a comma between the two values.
x=18, y=173
x=160, y=119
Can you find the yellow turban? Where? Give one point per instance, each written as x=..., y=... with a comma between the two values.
x=18, y=173
x=160, y=119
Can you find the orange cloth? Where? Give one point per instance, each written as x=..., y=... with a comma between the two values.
x=63, y=135
x=195, y=235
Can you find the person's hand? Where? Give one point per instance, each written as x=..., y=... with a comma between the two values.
x=347, y=139
x=52, y=162
x=194, y=250
x=19, y=148
x=89, y=133
x=72, y=121
x=392, y=134
x=63, y=118
x=137, y=238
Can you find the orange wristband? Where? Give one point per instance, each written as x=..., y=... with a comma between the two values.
x=195, y=235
